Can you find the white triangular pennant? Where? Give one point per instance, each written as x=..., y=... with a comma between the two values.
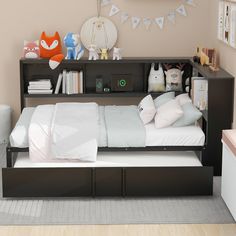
x=114, y=10
x=171, y=17
x=190, y=2
x=181, y=10
x=147, y=22
x=135, y=21
x=105, y=2
x=124, y=17
x=160, y=22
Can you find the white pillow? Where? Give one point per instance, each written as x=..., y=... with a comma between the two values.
x=183, y=99
x=167, y=114
x=164, y=98
x=147, y=109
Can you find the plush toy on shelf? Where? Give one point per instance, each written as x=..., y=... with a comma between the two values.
x=31, y=50
x=104, y=54
x=50, y=48
x=117, y=53
x=174, y=77
x=93, y=55
x=74, y=48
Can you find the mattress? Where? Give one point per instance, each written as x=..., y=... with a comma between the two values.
x=171, y=136
x=120, y=159
x=174, y=136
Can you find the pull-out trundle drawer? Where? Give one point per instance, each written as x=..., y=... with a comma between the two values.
x=106, y=181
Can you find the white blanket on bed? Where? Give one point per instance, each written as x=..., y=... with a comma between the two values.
x=64, y=132
x=39, y=134
x=75, y=131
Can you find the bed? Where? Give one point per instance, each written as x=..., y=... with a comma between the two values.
x=168, y=163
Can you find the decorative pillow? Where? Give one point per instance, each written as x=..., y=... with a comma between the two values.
x=174, y=80
x=156, y=80
x=190, y=116
x=147, y=109
x=31, y=50
x=164, y=98
x=167, y=114
x=183, y=99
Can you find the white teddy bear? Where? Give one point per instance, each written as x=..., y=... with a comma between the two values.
x=117, y=54
x=93, y=55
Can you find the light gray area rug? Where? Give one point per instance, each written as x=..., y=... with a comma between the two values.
x=194, y=210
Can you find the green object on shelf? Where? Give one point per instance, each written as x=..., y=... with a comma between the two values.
x=123, y=83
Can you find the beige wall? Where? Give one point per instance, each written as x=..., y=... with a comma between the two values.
x=25, y=19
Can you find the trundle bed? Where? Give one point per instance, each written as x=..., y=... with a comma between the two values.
x=173, y=162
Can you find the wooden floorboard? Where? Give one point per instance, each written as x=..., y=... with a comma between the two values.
x=121, y=230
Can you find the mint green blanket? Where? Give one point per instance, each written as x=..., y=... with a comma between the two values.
x=124, y=127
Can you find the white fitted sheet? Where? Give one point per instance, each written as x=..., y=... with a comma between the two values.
x=171, y=136
x=174, y=136
x=120, y=159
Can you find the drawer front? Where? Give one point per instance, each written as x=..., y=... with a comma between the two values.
x=108, y=181
x=169, y=181
x=47, y=182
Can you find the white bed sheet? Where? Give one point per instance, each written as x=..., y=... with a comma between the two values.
x=120, y=159
x=174, y=136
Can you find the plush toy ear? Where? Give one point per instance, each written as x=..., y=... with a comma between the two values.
x=25, y=43
x=43, y=35
x=57, y=35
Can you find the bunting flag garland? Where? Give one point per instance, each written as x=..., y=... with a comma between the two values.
x=190, y=2
x=105, y=2
x=171, y=17
x=124, y=17
x=114, y=10
x=135, y=21
x=160, y=22
x=181, y=10
x=147, y=21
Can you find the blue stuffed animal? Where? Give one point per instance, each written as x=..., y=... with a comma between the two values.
x=74, y=49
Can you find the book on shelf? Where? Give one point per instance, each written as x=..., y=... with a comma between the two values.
x=71, y=82
x=40, y=91
x=200, y=93
x=40, y=87
x=64, y=81
x=42, y=82
x=59, y=81
x=32, y=87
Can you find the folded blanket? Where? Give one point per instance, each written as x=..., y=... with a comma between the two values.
x=75, y=131
x=124, y=127
x=39, y=134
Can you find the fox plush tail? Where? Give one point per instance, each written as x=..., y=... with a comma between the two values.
x=55, y=61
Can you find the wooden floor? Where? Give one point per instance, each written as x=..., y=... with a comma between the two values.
x=121, y=230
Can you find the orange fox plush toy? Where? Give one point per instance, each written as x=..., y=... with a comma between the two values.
x=50, y=48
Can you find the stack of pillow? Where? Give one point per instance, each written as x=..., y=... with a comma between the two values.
x=168, y=110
